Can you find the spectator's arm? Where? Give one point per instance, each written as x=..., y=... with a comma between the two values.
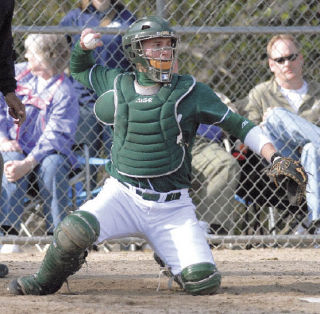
x=16, y=169
x=61, y=125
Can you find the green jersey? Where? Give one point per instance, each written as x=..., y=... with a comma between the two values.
x=201, y=105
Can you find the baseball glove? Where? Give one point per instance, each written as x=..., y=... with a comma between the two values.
x=291, y=175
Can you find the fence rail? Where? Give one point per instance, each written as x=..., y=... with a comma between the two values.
x=224, y=30
x=223, y=44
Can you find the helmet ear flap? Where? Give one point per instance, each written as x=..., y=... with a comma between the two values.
x=131, y=54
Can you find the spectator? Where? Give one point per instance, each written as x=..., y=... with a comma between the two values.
x=41, y=147
x=288, y=108
x=102, y=13
x=98, y=13
x=7, y=81
x=216, y=177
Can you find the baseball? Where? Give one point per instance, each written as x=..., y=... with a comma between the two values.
x=89, y=41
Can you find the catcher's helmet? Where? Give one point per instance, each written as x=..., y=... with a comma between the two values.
x=149, y=27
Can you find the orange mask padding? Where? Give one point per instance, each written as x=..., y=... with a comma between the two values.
x=161, y=65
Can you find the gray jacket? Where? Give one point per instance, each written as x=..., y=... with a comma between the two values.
x=268, y=94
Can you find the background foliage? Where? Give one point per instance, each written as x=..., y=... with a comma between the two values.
x=230, y=63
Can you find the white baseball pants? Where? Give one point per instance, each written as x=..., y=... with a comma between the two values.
x=171, y=228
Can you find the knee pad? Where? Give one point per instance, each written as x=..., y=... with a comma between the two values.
x=77, y=232
x=200, y=279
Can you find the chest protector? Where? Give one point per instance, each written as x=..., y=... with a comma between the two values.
x=148, y=139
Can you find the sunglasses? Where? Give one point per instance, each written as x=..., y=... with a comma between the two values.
x=282, y=60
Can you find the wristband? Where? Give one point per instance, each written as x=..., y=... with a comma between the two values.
x=275, y=156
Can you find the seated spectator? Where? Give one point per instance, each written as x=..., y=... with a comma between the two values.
x=103, y=13
x=216, y=177
x=41, y=147
x=288, y=109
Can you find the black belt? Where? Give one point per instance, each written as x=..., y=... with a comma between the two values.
x=155, y=196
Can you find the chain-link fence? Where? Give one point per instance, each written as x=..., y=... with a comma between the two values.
x=223, y=44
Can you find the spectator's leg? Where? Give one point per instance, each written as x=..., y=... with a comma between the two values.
x=289, y=132
x=12, y=196
x=53, y=175
x=215, y=179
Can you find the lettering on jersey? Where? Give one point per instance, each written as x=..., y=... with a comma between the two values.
x=244, y=123
x=144, y=99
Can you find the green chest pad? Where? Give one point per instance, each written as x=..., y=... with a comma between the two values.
x=104, y=107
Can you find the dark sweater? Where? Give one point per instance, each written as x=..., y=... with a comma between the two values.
x=7, y=80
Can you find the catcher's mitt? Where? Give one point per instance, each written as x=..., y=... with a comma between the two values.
x=290, y=174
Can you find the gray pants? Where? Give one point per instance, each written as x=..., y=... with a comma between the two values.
x=216, y=176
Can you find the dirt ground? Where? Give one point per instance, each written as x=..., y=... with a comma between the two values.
x=254, y=281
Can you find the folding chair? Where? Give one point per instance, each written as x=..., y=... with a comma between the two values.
x=245, y=195
x=259, y=193
x=79, y=183
x=87, y=193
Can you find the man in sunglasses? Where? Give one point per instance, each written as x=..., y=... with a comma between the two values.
x=288, y=108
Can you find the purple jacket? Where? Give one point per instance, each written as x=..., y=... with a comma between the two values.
x=52, y=116
x=211, y=132
x=111, y=54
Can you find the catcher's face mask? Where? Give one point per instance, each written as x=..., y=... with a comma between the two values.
x=151, y=44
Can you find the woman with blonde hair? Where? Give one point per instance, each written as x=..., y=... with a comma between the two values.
x=40, y=150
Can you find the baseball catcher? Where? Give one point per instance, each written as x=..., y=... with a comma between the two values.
x=155, y=114
x=291, y=175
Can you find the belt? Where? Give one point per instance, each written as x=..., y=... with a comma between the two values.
x=154, y=196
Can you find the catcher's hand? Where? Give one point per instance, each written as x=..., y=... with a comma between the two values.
x=290, y=174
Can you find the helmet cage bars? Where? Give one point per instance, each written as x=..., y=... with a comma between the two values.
x=157, y=68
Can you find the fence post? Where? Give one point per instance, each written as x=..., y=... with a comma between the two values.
x=161, y=8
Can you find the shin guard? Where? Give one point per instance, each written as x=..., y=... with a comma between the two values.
x=66, y=254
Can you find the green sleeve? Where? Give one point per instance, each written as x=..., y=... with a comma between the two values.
x=84, y=69
x=102, y=79
x=236, y=125
x=211, y=110
x=80, y=64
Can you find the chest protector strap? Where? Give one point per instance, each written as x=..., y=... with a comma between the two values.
x=148, y=139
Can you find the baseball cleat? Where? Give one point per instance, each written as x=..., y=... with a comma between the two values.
x=24, y=285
